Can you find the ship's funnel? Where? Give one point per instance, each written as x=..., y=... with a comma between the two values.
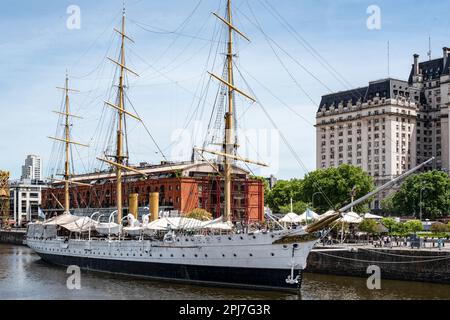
x=133, y=204
x=154, y=206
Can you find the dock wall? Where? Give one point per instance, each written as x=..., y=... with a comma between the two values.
x=12, y=237
x=409, y=265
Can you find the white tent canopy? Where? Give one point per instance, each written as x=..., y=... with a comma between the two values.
x=219, y=225
x=188, y=224
x=291, y=218
x=175, y=224
x=352, y=218
x=328, y=214
x=372, y=216
x=81, y=225
x=62, y=220
x=309, y=215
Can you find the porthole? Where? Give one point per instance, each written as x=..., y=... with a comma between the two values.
x=235, y=255
x=254, y=237
x=251, y=254
x=183, y=255
x=229, y=238
x=196, y=256
x=161, y=255
x=171, y=255
x=241, y=238
x=272, y=254
x=223, y=255
x=206, y=256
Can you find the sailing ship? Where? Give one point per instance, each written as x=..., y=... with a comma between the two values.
x=179, y=249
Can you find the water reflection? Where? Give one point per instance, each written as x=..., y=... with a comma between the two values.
x=24, y=276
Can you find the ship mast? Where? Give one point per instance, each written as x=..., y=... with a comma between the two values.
x=119, y=151
x=229, y=147
x=67, y=142
x=67, y=147
x=120, y=164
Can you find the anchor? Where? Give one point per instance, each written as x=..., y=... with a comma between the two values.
x=290, y=279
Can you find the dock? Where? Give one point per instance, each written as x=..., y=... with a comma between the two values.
x=14, y=236
x=429, y=264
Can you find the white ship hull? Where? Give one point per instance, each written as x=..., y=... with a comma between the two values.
x=244, y=261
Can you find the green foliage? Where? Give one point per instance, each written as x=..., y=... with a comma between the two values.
x=333, y=184
x=387, y=205
x=369, y=226
x=402, y=229
x=433, y=235
x=413, y=226
x=439, y=227
x=337, y=184
x=282, y=193
x=178, y=173
x=435, y=187
x=199, y=214
x=391, y=224
x=299, y=207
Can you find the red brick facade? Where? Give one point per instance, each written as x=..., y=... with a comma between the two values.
x=183, y=194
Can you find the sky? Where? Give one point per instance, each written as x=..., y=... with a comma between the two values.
x=171, y=53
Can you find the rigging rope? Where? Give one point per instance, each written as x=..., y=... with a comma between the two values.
x=291, y=149
x=305, y=44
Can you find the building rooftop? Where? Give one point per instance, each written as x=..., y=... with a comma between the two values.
x=384, y=88
x=182, y=169
x=432, y=69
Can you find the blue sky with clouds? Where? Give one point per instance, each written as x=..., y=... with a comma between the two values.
x=37, y=48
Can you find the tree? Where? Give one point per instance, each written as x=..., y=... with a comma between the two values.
x=282, y=193
x=439, y=227
x=387, y=205
x=402, y=230
x=335, y=186
x=199, y=214
x=414, y=226
x=391, y=224
x=369, y=226
x=432, y=187
x=299, y=207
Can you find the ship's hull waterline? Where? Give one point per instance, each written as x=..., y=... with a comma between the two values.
x=243, y=265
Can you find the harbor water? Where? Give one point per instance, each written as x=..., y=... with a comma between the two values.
x=24, y=276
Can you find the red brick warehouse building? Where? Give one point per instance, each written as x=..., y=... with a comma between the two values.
x=181, y=186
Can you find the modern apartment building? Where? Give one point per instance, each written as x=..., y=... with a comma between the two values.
x=25, y=200
x=32, y=169
x=389, y=126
